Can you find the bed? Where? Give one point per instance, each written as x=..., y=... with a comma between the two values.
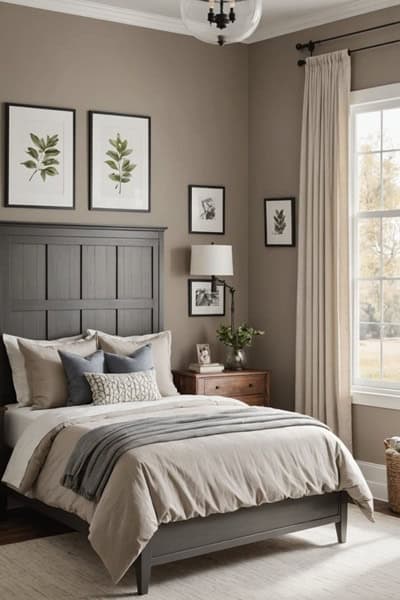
x=66, y=290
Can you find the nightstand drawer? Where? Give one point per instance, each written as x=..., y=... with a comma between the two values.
x=235, y=386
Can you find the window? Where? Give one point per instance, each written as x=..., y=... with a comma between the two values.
x=375, y=191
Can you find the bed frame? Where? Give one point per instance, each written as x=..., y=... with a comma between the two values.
x=59, y=280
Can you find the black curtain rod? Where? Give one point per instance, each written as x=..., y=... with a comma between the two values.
x=302, y=61
x=310, y=46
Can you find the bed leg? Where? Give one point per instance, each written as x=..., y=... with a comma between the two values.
x=3, y=502
x=143, y=571
x=341, y=526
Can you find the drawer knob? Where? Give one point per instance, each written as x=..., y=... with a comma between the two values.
x=217, y=387
x=250, y=385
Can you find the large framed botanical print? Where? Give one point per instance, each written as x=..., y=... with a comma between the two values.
x=40, y=157
x=120, y=156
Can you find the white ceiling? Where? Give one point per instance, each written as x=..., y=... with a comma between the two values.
x=279, y=16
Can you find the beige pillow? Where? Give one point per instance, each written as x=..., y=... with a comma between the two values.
x=161, y=348
x=17, y=363
x=123, y=387
x=46, y=377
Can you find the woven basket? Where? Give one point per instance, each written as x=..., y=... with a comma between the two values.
x=393, y=477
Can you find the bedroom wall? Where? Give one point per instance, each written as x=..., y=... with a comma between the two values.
x=275, y=105
x=197, y=97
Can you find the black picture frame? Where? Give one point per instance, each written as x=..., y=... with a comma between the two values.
x=7, y=203
x=91, y=114
x=190, y=198
x=190, y=294
x=292, y=203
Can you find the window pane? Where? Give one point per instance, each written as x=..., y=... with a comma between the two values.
x=369, y=182
x=369, y=351
x=391, y=247
x=369, y=296
x=391, y=129
x=391, y=180
x=391, y=352
x=368, y=133
x=369, y=245
x=391, y=302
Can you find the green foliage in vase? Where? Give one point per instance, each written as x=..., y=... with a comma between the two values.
x=118, y=162
x=279, y=221
x=238, y=338
x=43, y=156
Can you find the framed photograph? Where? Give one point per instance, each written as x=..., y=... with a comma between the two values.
x=40, y=157
x=279, y=217
x=206, y=209
x=120, y=156
x=203, y=302
x=203, y=354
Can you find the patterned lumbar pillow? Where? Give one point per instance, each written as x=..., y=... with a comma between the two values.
x=126, y=387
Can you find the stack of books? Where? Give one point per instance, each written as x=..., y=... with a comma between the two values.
x=209, y=368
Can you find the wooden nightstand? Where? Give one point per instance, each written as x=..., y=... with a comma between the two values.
x=250, y=386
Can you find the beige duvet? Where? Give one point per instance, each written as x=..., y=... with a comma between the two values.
x=179, y=480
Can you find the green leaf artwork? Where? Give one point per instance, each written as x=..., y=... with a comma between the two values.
x=280, y=221
x=43, y=156
x=118, y=162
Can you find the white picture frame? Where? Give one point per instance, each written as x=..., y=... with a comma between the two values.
x=120, y=162
x=203, y=354
x=40, y=157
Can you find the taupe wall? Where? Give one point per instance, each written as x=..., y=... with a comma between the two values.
x=275, y=104
x=197, y=97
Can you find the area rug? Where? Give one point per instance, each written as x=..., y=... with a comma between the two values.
x=303, y=566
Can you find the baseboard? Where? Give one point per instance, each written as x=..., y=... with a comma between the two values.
x=376, y=478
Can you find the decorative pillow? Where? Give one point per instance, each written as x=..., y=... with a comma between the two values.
x=17, y=362
x=161, y=348
x=140, y=360
x=46, y=377
x=75, y=367
x=123, y=387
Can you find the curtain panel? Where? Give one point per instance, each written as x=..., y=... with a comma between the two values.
x=323, y=286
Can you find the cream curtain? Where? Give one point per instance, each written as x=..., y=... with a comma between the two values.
x=323, y=306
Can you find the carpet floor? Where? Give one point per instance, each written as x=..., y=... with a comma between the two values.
x=302, y=566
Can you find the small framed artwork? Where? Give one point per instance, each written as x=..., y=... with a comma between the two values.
x=40, y=157
x=206, y=209
x=203, y=354
x=279, y=217
x=203, y=302
x=120, y=157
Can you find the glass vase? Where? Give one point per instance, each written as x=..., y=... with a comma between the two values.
x=235, y=359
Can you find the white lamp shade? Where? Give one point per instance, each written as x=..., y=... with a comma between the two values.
x=211, y=259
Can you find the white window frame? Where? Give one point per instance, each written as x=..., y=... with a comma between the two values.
x=366, y=392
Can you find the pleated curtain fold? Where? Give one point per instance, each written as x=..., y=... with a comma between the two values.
x=323, y=286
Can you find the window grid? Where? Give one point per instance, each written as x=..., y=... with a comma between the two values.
x=360, y=217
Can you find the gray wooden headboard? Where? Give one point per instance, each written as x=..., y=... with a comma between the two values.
x=59, y=280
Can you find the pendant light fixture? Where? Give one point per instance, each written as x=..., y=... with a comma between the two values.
x=221, y=21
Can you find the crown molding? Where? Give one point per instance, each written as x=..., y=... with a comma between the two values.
x=104, y=12
x=317, y=18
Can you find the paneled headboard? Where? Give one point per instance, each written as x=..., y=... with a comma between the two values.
x=59, y=280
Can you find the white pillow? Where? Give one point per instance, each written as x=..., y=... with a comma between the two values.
x=161, y=348
x=123, y=387
x=17, y=363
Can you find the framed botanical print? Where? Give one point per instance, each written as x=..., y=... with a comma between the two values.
x=206, y=209
x=279, y=222
x=120, y=156
x=203, y=302
x=40, y=157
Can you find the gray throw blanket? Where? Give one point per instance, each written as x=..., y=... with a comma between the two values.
x=96, y=453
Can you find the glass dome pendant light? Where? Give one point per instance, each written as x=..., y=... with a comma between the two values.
x=221, y=21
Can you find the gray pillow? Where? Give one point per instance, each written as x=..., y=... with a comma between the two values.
x=140, y=360
x=74, y=367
